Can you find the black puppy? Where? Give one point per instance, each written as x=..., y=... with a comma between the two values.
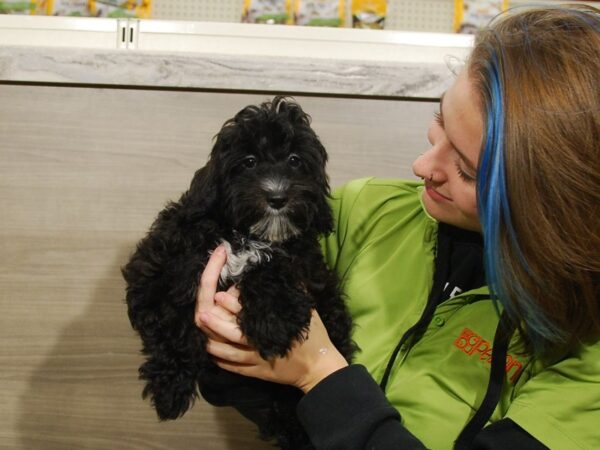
x=263, y=193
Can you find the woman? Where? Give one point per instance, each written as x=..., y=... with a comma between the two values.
x=512, y=185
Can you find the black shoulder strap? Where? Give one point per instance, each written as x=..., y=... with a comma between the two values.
x=502, y=337
x=440, y=275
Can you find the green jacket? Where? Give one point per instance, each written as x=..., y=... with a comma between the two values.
x=383, y=249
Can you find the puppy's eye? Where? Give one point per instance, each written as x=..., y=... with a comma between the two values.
x=249, y=162
x=294, y=160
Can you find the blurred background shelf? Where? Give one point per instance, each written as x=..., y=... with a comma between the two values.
x=408, y=15
x=228, y=56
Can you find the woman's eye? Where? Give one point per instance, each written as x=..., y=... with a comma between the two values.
x=294, y=161
x=464, y=175
x=437, y=116
x=249, y=162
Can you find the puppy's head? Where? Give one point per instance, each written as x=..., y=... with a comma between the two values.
x=269, y=166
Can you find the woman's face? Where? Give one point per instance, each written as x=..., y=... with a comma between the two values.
x=449, y=167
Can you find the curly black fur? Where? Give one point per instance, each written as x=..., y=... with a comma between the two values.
x=265, y=180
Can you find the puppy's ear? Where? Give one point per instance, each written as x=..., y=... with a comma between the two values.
x=324, y=217
x=203, y=188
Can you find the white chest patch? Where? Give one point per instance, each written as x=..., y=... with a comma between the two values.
x=251, y=254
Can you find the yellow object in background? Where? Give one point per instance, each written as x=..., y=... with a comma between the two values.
x=470, y=15
x=368, y=14
x=320, y=13
x=139, y=9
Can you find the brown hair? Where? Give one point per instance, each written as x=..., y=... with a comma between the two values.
x=547, y=247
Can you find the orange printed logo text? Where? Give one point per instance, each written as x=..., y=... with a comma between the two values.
x=475, y=346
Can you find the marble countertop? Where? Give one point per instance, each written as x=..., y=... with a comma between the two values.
x=230, y=57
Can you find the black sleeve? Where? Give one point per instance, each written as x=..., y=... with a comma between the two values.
x=348, y=410
x=506, y=434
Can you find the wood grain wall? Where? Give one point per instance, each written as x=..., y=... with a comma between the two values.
x=83, y=172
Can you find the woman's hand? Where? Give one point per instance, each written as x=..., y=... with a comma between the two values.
x=308, y=361
x=207, y=291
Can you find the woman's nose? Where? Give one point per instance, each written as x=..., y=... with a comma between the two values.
x=420, y=165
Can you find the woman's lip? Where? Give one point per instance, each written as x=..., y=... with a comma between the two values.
x=435, y=195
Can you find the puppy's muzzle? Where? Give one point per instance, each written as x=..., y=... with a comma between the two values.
x=275, y=225
x=276, y=192
x=277, y=200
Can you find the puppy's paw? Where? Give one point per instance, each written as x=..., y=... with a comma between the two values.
x=273, y=336
x=172, y=390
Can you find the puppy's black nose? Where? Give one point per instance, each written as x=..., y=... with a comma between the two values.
x=277, y=200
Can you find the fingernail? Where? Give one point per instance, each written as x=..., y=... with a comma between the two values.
x=204, y=317
x=220, y=250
